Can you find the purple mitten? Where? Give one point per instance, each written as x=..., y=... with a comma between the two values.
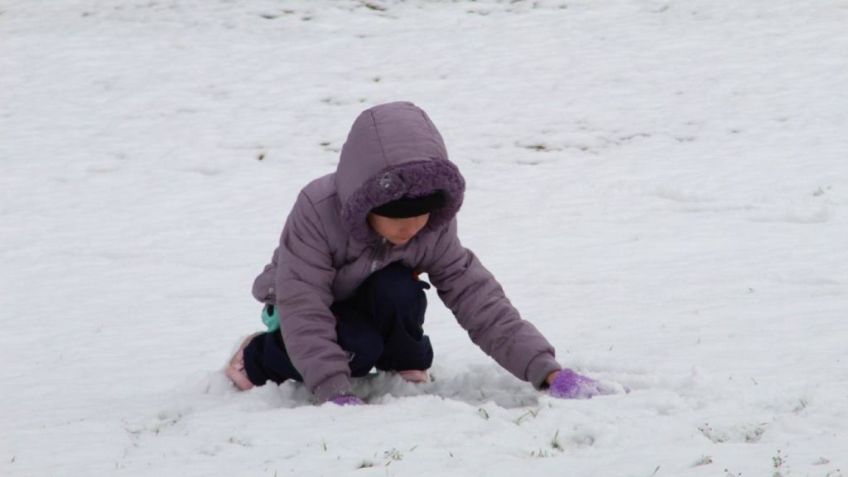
x=347, y=400
x=569, y=385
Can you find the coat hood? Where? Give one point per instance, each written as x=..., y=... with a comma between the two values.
x=394, y=150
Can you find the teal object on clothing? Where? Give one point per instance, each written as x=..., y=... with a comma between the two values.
x=271, y=320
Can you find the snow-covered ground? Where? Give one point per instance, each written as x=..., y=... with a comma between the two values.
x=661, y=187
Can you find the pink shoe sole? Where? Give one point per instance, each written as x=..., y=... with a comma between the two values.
x=235, y=368
x=415, y=375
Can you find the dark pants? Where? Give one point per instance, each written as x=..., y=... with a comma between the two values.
x=379, y=326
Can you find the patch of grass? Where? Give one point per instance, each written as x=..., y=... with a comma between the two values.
x=238, y=441
x=392, y=455
x=541, y=453
x=755, y=434
x=778, y=463
x=555, y=444
x=529, y=414
x=710, y=434
x=374, y=6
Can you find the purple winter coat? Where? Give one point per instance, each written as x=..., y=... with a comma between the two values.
x=327, y=250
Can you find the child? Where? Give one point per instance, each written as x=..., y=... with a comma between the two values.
x=343, y=282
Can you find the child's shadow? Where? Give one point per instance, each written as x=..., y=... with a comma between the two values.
x=475, y=385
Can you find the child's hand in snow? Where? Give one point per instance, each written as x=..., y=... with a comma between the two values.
x=567, y=384
x=347, y=400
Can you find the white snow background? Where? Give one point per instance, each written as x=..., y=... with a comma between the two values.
x=660, y=186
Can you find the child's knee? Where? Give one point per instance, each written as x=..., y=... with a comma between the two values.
x=363, y=352
x=402, y=354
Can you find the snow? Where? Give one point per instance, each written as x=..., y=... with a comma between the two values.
x=661, y=187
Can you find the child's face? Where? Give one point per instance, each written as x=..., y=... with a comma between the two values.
x=397, y=231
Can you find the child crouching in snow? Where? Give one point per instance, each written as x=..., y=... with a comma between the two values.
x=343, y=282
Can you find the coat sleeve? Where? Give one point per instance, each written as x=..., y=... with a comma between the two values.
x=303, y=282
x=480, y=306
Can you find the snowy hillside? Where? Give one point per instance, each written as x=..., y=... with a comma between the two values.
x=661, y=187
